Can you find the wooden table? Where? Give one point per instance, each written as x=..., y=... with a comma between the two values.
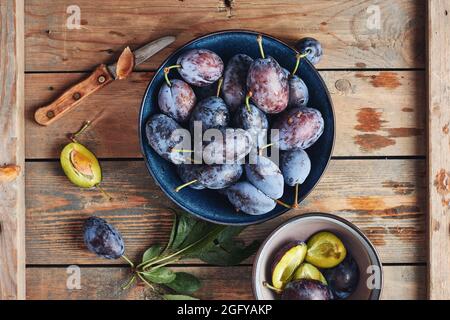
x=376, y=179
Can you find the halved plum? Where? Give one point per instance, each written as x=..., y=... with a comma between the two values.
x=325, y=250
x=308, y=271
x=286, y=262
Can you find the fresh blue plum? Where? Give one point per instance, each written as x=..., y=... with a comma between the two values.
x=190, y=172
x=205, y=92
x=234, y=87
x=247, y=198
x=298, y=92
x=343, y=279
x=164, y=134
x=299, y=128
x=254, y=121
x=231, y=146
x=266, y=176
x=269, y=85
x=295, y=166
x=219, y=176
x=312, y=47
x=103, y=239
x=306, y=289
x=177, y=101
x=200, y=67
x=212, y=113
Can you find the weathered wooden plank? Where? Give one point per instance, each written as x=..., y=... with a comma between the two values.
x=401, y=282
x=438, y=148
x=355, y=33
x=12, y=138
x=384, y=198
x=377, y=113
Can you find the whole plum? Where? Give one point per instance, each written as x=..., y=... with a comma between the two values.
x=190, y=172
x=298, y=92
x=253, y=120
x=295, y=166
x=343, y=279
x=164, y=134
x=306, y=289
x=265, y=175
x=268, y=83
x=247, y=198
x=103, y=239
x=212, y=113
x=299, y=128
x=177, y=100
x=200, y=67
x=312, y=48
x=220, y=176
x=234, y=81
x=226, y=146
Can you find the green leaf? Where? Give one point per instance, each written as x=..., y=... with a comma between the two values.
x=228, y=253
x=203, y=244
x=185, y=283
x=184, y=227
x=161, y=275
x=178, y=297
x=152, y=253
x=173, y=233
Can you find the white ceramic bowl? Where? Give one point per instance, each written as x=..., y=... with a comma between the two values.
x=303, y=227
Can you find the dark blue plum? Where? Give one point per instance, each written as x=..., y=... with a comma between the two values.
x=343, y=279
x=254, y=121
x=212, y=113
x=219, y=176
x=200, y=67
x=298, y=92
x=295, y=166
x=234, y=87
x=190, y=172
x=312, y=48
x=247, y=198
x=103, y=239
x=265, y=175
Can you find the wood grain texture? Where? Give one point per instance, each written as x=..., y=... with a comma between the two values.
x=348, y=30
x=12, y=137
x=233, y=283
x=438, y=148
x=377, y=113
x=383, y=198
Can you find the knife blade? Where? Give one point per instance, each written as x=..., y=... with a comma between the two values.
x=144, y=53
x=99, y=78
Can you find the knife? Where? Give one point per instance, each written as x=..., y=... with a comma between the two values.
x=99, y=78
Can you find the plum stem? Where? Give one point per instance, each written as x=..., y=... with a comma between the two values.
x=247, y=101
x=283, y=204
x=260, y=45
x=103, y=192
x=299, y=56
x=83, y=128
x=295, y=205
x=268, y=286
x=261, y=149
x=166, y=73
x=124, y=257
x=129, y=283
x=219, y=87
x=182, y=150
x=178, y=189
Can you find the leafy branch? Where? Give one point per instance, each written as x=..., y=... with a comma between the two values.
x=190, y=238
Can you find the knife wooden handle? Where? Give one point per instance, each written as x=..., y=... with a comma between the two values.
x=73, y=96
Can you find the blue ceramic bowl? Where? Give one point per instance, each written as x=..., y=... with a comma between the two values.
x=211, y=205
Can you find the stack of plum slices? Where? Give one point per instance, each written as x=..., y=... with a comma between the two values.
x=230, y=110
